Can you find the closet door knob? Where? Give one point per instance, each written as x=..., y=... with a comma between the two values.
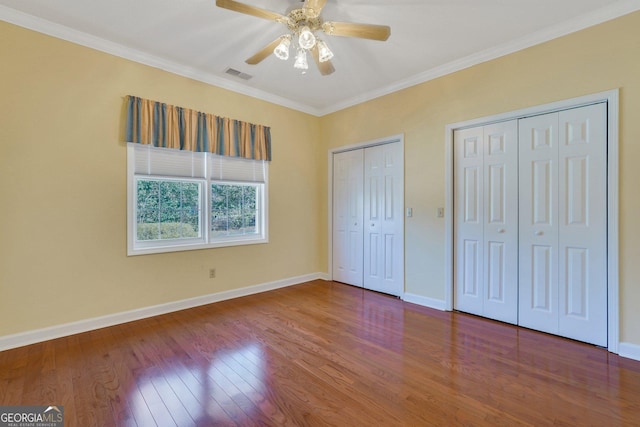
x=502, y=230
x=539, y=233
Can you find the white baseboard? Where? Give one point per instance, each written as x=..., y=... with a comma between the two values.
x=625, y=349
x=324, y=276
x=52, y=332
x=425, y=301
x=628, y=350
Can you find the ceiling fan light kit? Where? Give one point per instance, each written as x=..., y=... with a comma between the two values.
x=306, y=40
x=303, y=23
x=282, y=50
x=325, y=53
x=301, y=61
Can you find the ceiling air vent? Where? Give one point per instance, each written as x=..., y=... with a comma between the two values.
x=238, y=74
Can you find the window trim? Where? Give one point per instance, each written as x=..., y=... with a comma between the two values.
x=205, y=242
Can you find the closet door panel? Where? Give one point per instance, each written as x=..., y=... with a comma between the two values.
x=469, y=220
x=583, y=224
x=383, y=219
x=486, y=221
x=538, y=222
x=348, y=187
x=500, y=227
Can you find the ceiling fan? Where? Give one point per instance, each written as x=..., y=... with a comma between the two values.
x=302, y=23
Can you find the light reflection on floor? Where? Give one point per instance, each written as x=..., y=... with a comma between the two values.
x=177, y=396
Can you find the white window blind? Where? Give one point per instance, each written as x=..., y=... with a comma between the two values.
x=150, y=160
x=223, y=168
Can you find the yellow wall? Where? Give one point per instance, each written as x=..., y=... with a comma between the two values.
x=63, y=178
x=63, y=188
x=594, y=60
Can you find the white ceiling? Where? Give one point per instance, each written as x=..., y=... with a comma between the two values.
x=429, y=38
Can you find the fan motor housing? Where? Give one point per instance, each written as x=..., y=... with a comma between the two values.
x=299, y=18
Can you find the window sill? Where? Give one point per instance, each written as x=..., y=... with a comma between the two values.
x=196, y=246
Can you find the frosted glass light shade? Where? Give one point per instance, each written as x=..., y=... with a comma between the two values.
x=282, y=50
x=301, y=60
x=306, y=40
x=324, y=53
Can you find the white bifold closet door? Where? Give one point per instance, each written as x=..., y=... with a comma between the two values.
x=368, y=221
x=530, y=224
x=348, y=208
x=486, y=221
x=384, y=219
x=563, y=224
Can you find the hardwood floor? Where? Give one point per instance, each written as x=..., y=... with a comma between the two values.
x=320, y=354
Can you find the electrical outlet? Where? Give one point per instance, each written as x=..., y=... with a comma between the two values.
x=212, y=273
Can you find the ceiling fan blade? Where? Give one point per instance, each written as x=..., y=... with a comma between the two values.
x=251, y=10
x=315, y=5
x=264, y=52
x=325, y=67
x=363, y=31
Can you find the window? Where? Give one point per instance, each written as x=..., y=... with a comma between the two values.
x=167, y=209
x=234, y=209
x=181, y=200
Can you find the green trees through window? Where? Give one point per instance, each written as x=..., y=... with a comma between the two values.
x=233, y=209
x=171, y=209
x=168, y=209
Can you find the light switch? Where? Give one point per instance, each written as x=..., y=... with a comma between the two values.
x=440, y=212
x=409, y=212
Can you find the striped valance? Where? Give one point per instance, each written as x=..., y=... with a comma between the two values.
x=167, y=126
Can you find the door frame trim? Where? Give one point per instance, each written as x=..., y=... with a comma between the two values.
x=611, y=97
x=399, y=138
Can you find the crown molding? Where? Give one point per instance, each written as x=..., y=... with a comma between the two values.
x=31, y=22
x=608, y=13
x=87, y=40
